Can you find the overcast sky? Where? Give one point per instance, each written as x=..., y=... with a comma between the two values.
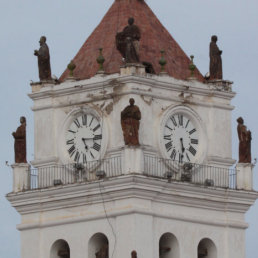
x=67, y=24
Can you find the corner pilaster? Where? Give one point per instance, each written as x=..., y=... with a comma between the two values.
x=244, y=176
x=21, y=177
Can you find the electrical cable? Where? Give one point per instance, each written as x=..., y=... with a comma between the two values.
x=110, y=224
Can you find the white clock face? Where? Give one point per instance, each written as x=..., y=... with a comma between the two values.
x=83, y=138
x=180, y=138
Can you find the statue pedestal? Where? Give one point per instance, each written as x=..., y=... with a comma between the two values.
x=163, y=74
x=132, y=69
x=244, y=176
x=192, y=79
x=222, y=85
x=133, y=160
x=36, y=86
x=21, y=177
x=100, y=73
x=71, y=79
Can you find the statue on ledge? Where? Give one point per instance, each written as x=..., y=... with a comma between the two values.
x=127, y=42
x=133, y=254
x=215, y=60
x=20, y=142
x=43, y=60
x=130, y=122
x=245, y=138
x=103, y=252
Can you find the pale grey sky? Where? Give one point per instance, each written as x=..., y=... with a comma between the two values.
x=67, y=24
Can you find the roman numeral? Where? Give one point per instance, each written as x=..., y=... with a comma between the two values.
x=71, y=131
x=180, y=157
x=71, y=150
x=92, y=155
x=70, y=142
x=187, y=157
x=96, y=128
x=194, y=141
x=169, y=127
x=192, y=150
x=96, y=146
x=84, y=158
x=77, y=157
x=187, y=123
x=84, y=120
x=167, y=137
x=180, y=120
x=97, y=137
x=76, y=121
x=192, y=131
x=91, y=121
x=173, y=154
x=168, y=146
x=173, y=120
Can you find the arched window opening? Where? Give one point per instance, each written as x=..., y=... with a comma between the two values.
x=60, y=249
x=207, y=249
x=98, y=246
x=168, y=246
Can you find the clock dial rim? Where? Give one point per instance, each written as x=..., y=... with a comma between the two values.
x=80, y=142
x=69, y=119
x=197, y=123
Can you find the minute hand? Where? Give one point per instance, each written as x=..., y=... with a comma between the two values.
x=87, y=138
x=182, y=145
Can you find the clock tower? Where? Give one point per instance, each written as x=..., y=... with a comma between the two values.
x=154, y=178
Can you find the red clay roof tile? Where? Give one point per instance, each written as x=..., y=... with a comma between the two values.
x=154, y=37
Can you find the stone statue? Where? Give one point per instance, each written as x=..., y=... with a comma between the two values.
x=127, y=42
x=130, y=122
x=215, y=60
x=134, y=254
x=20, y=142
x=245, y=138
x=43, y=60
x=103, y=252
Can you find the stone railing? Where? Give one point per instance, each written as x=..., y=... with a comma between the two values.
x=27, y=178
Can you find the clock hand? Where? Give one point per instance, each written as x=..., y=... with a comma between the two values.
x=87, y=138
x=182, y=145
x=86, y=146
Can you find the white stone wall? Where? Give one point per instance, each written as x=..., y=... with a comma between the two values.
x=135, y=223
x=155, y=96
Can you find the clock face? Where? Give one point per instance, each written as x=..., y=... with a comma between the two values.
x=180, y=138
x=83, y=138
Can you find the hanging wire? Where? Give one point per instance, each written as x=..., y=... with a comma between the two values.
x=110, y=224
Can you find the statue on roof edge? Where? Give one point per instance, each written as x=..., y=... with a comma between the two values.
x=215, y=60
x=43, y=60
x=127, y=42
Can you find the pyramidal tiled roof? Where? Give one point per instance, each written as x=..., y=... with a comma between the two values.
x=154, y=37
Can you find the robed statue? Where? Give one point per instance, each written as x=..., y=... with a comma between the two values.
x=43, y=60
x=20, y=142
x=130, y=122
x=245, y=138
x=215, y=60
x=103, y=252
x=133, y=254
x=127, y=42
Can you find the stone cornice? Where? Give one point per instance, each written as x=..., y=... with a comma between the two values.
x=133, y=186
x=111, y=83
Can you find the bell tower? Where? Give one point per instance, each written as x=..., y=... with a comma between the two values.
x=132, y=151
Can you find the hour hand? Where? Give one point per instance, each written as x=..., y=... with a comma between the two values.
x=86, y=146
